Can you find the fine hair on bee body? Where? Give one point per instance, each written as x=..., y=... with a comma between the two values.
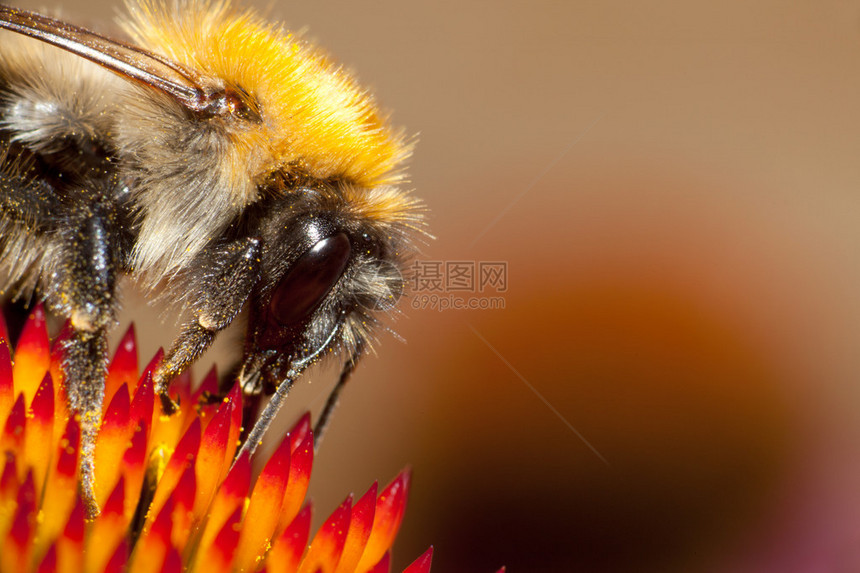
x=215, y=159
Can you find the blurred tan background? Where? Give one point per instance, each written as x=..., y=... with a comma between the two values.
x=672, y=384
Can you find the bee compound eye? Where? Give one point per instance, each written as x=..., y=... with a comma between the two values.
x=310, y=279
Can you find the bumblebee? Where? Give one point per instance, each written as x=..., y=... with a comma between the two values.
x=216, y=159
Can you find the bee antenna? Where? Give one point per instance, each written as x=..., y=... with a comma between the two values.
x=334, y=395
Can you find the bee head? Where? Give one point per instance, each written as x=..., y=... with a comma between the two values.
x=329, y=267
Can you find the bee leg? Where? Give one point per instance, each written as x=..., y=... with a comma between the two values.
x=82, y=285
x=84, y=367
x=221, y=281
x=267, y=416
x=334, y=396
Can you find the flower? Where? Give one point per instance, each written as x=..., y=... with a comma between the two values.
x=171, y=495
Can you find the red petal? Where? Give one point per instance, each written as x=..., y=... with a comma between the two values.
x=112, y=442
x=208, y=386
x=67, y=456
x=360, y=524
x=152, y=549
x=9, y=480
x=4, y=331
x=76, y=525
x=42, y=407
x=119, y=559
x=183, y=501
x=300, y=475
x=264, y=509
x=151, y=366
x=173, y=562
x=143, y=404
x=16, y=549
x=40, y=431
x=134, y=469
x=235, y=398
x=109, y=528
x=32, y=355
x=384, y=565
x=163, y=524
x=7, y=395
x=185, y=453
x=70, y=545
x=228, y=499
x=61, y=400
x=180, y=391
x=115, y=502
x=390, y=508
x=326, y=548
x=218, y=556
x=49, y=561
x=210, y=459
x=123, y=367
x=13, y=433
x=60, y=492
x=422, y=564
x=288, y=548
x=300, y=432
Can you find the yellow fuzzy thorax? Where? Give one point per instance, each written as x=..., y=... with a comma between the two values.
x=315, y=117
